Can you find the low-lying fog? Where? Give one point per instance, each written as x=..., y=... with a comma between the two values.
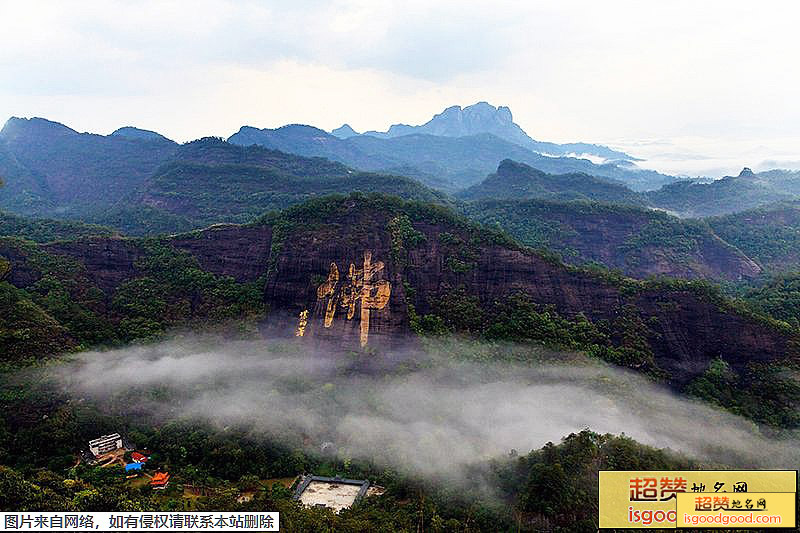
x=429, y=411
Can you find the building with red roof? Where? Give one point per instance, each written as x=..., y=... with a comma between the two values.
x=137, y=457
x=160, y=480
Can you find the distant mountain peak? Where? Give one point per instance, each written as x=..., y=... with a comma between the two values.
x=344, y=132
x=509, y=166
x=747, y=173
x=21, y=127
x=130, y=132
x=483, y=118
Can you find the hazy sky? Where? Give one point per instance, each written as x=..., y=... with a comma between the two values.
x=672, y=80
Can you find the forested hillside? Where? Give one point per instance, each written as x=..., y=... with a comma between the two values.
x=140, y=183
x=639, y=242
x=770, y=234
x=518, y=181
x=46, y=230
x=730, y=194
x=211, y=181
x=442, y=274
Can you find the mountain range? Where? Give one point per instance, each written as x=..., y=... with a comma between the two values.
x=455, y=149
x=430, y=271
x=692, y=198
x=141, y=183
x=483, y=117
x=638, y=242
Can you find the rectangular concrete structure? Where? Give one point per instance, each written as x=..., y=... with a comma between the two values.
x=333, y=492
x=105, y=444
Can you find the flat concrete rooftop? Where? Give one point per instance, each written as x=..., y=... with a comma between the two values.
x=334, y=493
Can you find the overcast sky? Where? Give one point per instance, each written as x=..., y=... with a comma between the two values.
x=699, y=84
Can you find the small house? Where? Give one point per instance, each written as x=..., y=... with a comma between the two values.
x=137, y=457
x=160, y=481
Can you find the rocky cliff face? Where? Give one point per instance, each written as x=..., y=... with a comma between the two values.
x=347, y=270
x=484, y=118
x=684, y=330
x=241, y=252
x=456, y=121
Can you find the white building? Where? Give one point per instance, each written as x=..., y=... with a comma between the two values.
x=105, y=444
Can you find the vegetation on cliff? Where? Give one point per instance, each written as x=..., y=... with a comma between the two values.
x=778, y=296
x=618, y=319
x=173, y=290
x=47, y=230
x=638, y=241
x=770, y=235
x=169, y=290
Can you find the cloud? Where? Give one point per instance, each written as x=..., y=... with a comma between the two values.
x=425, y=412
x=570, y=71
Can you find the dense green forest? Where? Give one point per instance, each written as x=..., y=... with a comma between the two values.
x=47, y=230
x=777, y=296
x=769, y=234
x=638, y=241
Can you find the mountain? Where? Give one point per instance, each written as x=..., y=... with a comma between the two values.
x=210, y=181
x=465, y=161
x=517, y=181
x=483, y=117
x=639, y=242
x=309, y=142
x=727, y=195
x=130, y=132
x=52, y=170
x=426, y=270
x=447, y=163
x=769, y=234
x=344, y=132
x=142, y=183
